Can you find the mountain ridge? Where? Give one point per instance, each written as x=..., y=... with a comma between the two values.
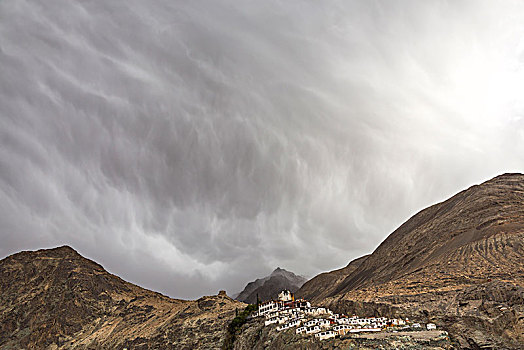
x=57, y=299
x=458, y=263
x=484, y=198
x=451, y=263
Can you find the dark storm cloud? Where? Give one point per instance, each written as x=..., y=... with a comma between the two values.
x=192, y=146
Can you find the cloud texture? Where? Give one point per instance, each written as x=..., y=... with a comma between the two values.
x=191, y=146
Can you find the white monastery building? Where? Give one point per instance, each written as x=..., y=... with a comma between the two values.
x=319, y=321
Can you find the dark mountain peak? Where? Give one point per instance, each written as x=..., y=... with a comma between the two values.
x=283, y=272
x=279, y=271
x=268, y=287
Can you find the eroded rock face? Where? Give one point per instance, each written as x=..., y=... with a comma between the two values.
x=56, y=298
x=459, y=263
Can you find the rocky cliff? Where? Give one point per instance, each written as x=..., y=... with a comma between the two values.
x=57, y=299
x=459, y=263
x=267, y=288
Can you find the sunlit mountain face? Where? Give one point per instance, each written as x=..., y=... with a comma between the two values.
x=191, y=146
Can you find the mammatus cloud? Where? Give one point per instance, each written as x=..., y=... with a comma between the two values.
x=193, y=146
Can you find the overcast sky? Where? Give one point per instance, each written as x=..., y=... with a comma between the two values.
x=192, y=146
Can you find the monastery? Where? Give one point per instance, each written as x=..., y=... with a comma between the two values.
x=321, y=322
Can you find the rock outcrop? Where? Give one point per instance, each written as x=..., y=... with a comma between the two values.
x=57, y=299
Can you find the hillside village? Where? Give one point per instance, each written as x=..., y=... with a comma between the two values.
x=321, y=322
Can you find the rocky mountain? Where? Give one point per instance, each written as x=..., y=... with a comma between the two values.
x=268, y=287
x=459, y=263
x=57, y=299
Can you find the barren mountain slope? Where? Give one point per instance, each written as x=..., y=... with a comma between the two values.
x=321, y=286
x=476, y=234
x=459, y=263
x=60, y=299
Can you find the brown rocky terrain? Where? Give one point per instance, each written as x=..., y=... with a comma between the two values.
x=459, y=263
x=323, y=285
x=255, y=336
x=57, y=299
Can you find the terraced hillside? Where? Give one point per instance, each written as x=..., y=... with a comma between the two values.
x=57, y=299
